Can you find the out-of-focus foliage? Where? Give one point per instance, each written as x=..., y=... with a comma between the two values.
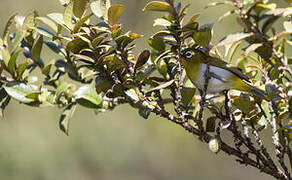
x=97, y=69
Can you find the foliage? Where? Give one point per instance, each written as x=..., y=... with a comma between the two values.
x=96, y=68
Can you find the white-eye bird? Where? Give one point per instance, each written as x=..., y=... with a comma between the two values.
x=222, y=76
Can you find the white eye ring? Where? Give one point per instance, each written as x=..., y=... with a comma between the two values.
x=189, y=54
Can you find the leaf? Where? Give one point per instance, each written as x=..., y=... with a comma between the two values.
x=49, y=23
x=204, y=35
x=19, y=35
x=88, y=97
x=213, y=4
x=79, y=7
x=114, y=13
x=144, y=112
x=211, y=124
x=142, y=59
x=214, y=145
x=12, y=62
x=80, y=23
x=5, y=55
x=21, y=69
x=157, y=43
x=36, y=51
x=251, y=48
x=161, y=86
x=288, y=26
x=100, y=8
x=159, y=6
x=132, y=94
x=193, y=18
x=68, y=15
x=232, y=38
x=269, y=23
x=19, y=91
x=187, y=95
x=58, y=18
x=7, y=30
x=76, y=45
x=46, y=70
x=161, y=22
x=30, y=21
x=66, y=115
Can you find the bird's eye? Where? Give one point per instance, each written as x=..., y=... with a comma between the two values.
x=189, y=54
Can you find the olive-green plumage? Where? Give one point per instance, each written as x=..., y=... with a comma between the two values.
x=223, y=76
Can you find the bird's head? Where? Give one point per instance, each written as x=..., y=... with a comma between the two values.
x=191, y=55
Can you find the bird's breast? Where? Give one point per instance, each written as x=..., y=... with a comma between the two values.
x=220, y=79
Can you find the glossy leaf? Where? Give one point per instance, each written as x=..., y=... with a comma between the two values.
x=17, y=39
x=214, y=145
x=79, y=7
x=49, y=23
x=80, y=23
x=7, y=29
x=30, y=21
x=230, y=39
x=142, y=59
x=68, y=15
x=36, y=51
x=114, y=13
x=159, y=6
x=12, y=62
x=204, y=35
x=66, y=115
x=19, y=91
x=216, y=3
x=288, y=26
x=100, y=8
x=88, y=97
x=161, y=22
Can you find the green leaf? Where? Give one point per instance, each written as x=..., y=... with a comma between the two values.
x=132, y=94
x=157, y=43
x=36, y=51
x=193, y=18
x=288, y=26
x=58, y=18
x=144, y=112
x=68, y=15
x=46, y=70
x=19, y=91
x=159, y=6
x=100, y=8
x=161, y=22
x=232, y=38
x=114, y=13
x=7, y=30
x=76, y=45
x=79, y=7
x=61, y=89
x=88, y=97
x=213, y=4
x=5, y=55
x=19, y=35
x=30, y=21
x=187, y=95
x=204, y=35
x=80, y=23
x=12, y=62
x=142, y=59
x=214, y=145
x=66, y=115
x=21, y=69
x=49, y=23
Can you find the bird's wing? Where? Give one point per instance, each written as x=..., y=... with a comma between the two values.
x=222, y=64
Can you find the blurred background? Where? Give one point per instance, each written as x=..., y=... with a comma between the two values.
x=117, y=145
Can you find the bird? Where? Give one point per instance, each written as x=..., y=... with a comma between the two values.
x=221, y=75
